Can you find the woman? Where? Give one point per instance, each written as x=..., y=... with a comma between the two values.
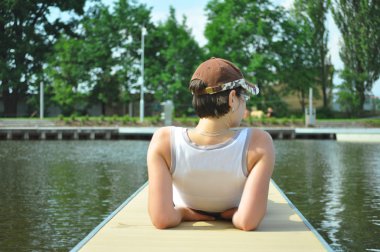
x=212, y=171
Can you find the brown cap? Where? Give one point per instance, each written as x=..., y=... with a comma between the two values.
x=219, y=75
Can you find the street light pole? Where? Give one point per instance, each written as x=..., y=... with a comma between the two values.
x=142, y=76
x=41, y=100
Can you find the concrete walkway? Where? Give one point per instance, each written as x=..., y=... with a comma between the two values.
x=17, y=123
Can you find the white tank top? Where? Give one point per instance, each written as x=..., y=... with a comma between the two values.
x=209, y=178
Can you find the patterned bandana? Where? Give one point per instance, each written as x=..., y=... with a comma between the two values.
x=251, y=89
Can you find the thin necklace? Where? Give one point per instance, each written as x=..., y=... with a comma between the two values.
x=211, y=134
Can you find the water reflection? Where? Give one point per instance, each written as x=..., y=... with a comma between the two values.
x=54, y=193
x=336, y=186
x=332, y=193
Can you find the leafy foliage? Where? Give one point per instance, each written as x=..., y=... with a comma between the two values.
x=298, y=58
x=27, y=36
x=172, y=56
x=94, y=58
x=103, y=63
x=359, y=23
x=246, y=32
x=347, y=98
x=66, y=70
x=314, y=12
x=271, y=46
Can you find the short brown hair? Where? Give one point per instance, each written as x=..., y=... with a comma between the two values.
x=210, y=105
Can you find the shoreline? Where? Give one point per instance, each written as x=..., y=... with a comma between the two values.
x=146, y=133
x=118, y=122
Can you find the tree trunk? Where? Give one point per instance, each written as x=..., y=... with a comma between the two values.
x=361, y=94
x=302, y=100
x=323, y=78
x=10, y=102
x=103, y=108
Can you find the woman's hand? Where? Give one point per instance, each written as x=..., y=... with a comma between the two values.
x=227, y=215
x=191, y=215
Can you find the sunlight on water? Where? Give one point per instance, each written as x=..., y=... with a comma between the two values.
x=336, y=187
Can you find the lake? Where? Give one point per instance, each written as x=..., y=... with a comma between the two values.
x=53, y=193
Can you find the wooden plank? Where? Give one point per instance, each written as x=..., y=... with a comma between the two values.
x=130, y=229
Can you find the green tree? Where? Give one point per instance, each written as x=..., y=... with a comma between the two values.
x=104, y=60
x=299, y=70
x=315, y=11
x=359, y=23
x=114, y=50
x=246, y=32
x=172, y=56
x=66, y=72
x=346, y=95
x=27, y=37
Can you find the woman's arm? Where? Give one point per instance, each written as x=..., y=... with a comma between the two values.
x=160, y=203
x=253, y=204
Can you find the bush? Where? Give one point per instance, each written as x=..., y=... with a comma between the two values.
x=373, y=122
x=126, y=119
x=324, y=113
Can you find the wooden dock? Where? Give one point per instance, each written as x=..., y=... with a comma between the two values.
x=363, y=135
x=129, y=228
x=130, y=133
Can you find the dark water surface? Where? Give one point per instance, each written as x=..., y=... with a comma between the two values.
x=52, y=193
x=336, y=186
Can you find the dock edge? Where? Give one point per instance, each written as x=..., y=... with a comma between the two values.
x=107, y=219
x=307, y=223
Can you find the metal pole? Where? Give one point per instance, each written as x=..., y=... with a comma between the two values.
x=41, y=100
x=310, y=101
x=142, y=76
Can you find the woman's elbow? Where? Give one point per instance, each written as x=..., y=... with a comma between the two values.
x=161, y=224
x=163, y=221
x=247, y=224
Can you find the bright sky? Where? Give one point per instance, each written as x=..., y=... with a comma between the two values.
x=196, y=20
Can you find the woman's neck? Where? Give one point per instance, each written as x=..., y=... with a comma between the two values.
x=213, y=126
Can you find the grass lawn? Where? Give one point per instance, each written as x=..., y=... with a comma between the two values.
x=123, y=121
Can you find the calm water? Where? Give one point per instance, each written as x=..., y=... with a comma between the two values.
x=336, y=186
x=53, y=193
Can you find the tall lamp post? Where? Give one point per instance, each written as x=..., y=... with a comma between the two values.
x=41, y=100
x=143, y=33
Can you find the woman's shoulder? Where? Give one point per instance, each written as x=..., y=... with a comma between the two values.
x=160, y=142
x=260, y=139
x=260, y=147
x=163, y=135
x=259, y=134
x=163, y=132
